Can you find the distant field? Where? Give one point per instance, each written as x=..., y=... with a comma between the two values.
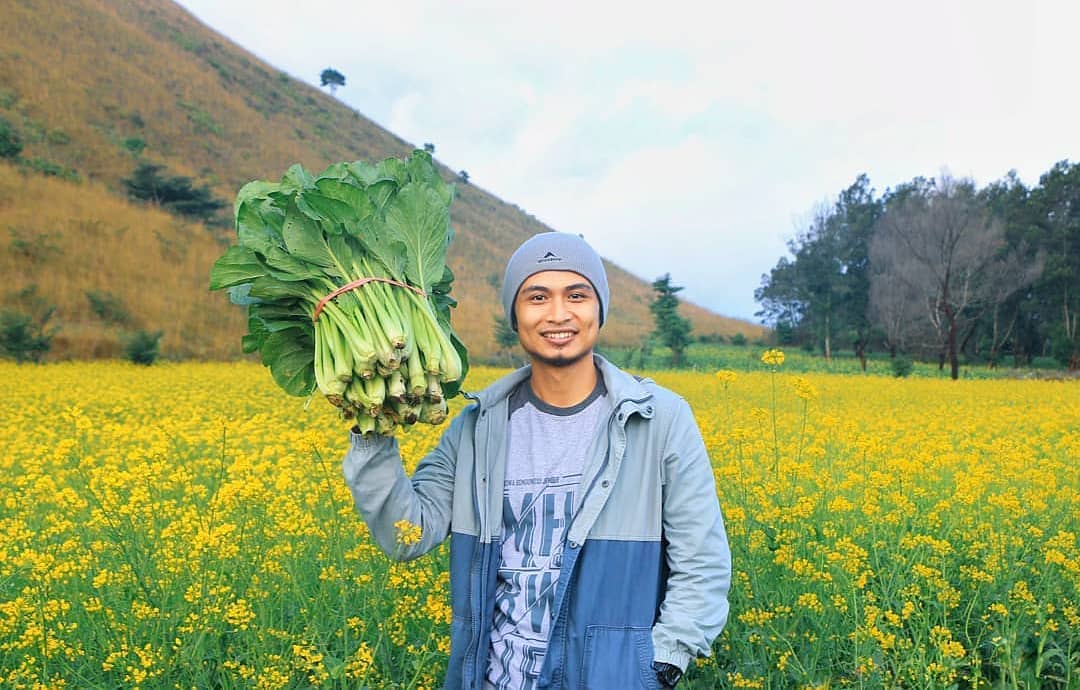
x=707, y=357
x=186, y=525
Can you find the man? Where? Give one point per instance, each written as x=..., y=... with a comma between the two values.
x=587, y=544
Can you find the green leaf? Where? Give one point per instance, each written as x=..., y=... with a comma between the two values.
x=304, y=240
x=236, y=266
x=423, y=171
x=337, y=171
x=394, y=169
x=253, y=340
x=420, y=167
x=356, y=200
x=329, y=214
x=290, y=354
x=418, y=218
x=364, y=172
x=284, y=266
x=256, y=189
x=280, y=315
x=296, y=179
x=344, y=247
x=380, y=192
x=258, y=224
x=268, y=288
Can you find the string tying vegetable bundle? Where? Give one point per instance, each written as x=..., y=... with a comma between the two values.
x=345, y=280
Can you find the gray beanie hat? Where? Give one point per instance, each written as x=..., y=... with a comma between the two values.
x=554, y=251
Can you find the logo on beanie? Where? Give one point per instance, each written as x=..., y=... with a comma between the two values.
x=548, y=258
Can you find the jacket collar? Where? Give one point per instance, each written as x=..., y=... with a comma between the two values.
x=624, y=389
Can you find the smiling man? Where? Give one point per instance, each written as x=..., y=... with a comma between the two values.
x=587, y=544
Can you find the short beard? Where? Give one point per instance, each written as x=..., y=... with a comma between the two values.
x=558, y=361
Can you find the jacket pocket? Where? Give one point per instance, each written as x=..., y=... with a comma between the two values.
x=618, y=658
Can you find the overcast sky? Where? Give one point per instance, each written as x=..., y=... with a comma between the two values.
x=692, y=138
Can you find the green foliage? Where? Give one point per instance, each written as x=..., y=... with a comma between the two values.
x=142, y=347
x=505, y=336
x=175, y=194
x=1065, y=350
x=902, y=366
x=202, y=121
x=374, y=237
x=108, y=307
x=672, y=329
x=716, y=338
x=738, y=340
x=10, y=141
x=58, y=136
x=822, y=292
x=135, y=145
x=51, y=169
x=332, y=78
x=24, y=337
x=35, y=247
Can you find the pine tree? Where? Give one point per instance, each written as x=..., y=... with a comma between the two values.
x=672, y=329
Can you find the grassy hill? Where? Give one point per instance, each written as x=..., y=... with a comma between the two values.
x=94, y=88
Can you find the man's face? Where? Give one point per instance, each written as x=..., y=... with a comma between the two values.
x=558, y=317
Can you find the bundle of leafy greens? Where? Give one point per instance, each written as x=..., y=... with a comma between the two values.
x=345, y=280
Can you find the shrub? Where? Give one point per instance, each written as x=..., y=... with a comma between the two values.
x=23, y=338
x=1065, y=350
x=108, y=307
x=50, y=169
x=142, y=347
x=902, y=366
x=34, y=247
x=10, y=141
x=134, y=145
x=738, y=339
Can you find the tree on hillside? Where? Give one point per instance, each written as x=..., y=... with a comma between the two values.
x=332, y=78
x=938, y=243
x=672, y=329
x=176, y=194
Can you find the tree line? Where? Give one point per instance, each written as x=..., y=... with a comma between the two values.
x=938, y=269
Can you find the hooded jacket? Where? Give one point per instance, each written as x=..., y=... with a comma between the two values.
x=646, y=565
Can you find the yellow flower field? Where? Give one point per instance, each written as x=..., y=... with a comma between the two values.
x=186, y=526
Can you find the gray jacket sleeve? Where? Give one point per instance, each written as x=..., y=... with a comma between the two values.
x=695, y=606
x=384, y=495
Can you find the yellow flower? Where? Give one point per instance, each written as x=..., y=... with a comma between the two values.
x=803, y=389
x=408, y=533
x=773, y=357
x=725, y=376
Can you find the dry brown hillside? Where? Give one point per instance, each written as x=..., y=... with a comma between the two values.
x=92, y=88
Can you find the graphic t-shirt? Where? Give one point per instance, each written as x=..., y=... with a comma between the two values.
x=546, y=452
